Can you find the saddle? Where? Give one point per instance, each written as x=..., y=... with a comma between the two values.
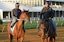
x=12, y=28
x=14, y=23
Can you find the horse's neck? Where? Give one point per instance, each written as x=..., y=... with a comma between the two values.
x=21, y=19
x=18, y=25
x=22, y=16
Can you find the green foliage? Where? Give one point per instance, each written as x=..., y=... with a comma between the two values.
x=60, y=23
x=1, y=22
x=29, y=25
x=34, y=24
x=5, y=23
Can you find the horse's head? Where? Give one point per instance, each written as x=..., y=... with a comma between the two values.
x=25, y=15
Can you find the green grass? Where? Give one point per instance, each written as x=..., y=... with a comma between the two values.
x=34, y=24
x=31, y=25
x=5, y=23
x=60, y=23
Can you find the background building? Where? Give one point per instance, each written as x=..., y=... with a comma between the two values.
x=34, y=6
x=58, y=6
x=26, y=2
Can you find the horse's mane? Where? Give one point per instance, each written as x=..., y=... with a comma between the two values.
x=24, y=12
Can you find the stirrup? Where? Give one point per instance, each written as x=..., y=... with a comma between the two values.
x=11, y=26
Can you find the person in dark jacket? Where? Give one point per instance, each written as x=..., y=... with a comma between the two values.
x=15, y=13
x=48, y=14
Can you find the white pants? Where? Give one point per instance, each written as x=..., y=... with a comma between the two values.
x=13, y=21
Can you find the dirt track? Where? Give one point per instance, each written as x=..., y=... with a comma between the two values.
x=32, y=36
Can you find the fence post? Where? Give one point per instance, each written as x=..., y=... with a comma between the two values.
x=30, y=23
x=37, y=23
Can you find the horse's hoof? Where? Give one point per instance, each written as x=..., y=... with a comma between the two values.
x=38, y=34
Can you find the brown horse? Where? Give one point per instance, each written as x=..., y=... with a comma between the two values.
x=18, y=32
x=46, y=36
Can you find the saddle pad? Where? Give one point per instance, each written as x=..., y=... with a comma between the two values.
x=12, y=29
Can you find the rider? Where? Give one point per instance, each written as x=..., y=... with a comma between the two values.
x=15, y=13
x=48, y=14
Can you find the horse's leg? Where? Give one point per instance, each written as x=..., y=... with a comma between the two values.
x=22, y=36
x=42, y=32
x=42, y=40
x=10, y=37
x=42, y=36
x=48, y=39
x=16, y=39
x=53, y=40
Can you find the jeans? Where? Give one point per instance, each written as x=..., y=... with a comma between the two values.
x=54, y=25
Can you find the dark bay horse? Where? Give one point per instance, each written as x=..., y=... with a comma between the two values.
x=18, y=31
x=46, y=35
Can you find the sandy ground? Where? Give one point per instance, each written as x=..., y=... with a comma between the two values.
x=31, y=35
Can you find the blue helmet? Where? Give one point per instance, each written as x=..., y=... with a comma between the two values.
x=48, y=2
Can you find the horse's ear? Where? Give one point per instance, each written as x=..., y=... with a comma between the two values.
x=25, y=10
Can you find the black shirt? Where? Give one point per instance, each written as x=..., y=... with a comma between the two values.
x=47, y=13
x=16, y=13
